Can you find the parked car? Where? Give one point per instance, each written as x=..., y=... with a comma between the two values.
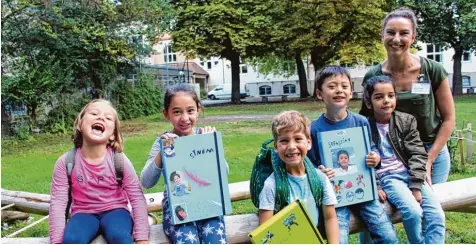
x=223, y=91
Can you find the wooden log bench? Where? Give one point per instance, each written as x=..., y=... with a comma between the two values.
x=40, y=203
x=459, y=195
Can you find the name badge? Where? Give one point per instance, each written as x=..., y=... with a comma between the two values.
x=423, y=86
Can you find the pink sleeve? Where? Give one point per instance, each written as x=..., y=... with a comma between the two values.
x=136, y=198
x=58, y=201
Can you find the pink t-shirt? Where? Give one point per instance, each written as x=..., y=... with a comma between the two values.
x=94, y=190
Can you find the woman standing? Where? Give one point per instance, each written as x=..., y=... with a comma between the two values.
x=422, y=88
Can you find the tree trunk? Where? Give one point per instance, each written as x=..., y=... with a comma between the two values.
x=33, y=106
x=317, y=58
x=235, y=77
x=457, y=78
x=302, y=75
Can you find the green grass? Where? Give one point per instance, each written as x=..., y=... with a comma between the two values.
x=28, y=165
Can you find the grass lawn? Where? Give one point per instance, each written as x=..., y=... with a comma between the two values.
x=27, y=166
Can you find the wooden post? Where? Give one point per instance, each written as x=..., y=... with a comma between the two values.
x=8, y=206
x=469, y=143
x=460, y=147
x=28, y=226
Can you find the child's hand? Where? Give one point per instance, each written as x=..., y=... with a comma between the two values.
x=142, y=242
x=372, y=159
x=327, y=171
x=417, y=194
x=208, y=129
x=382, y=196
x=168, y=136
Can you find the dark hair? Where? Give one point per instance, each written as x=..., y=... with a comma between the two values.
x=340, y=152
x=369, y=87
x=173, y=174
x=177, y=210
x=329, y=71
x=180, y=87
x=402, y=12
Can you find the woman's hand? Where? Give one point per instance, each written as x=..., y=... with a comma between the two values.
x=428, y=178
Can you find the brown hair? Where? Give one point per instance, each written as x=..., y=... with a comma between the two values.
x=291, y=120
x=180, y=87
x=116, y=143
x=402, y=12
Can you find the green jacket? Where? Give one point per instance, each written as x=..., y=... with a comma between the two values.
x=406, y=144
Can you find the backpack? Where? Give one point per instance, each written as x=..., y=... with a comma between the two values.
x=118, y=166
x=268, y=162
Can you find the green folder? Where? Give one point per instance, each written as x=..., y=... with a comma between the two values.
x=290, y=225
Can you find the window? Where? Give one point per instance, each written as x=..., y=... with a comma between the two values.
x=434, y=52
x=466, y=81
x=209, y=65
x=289, y=89
x=169, y=55
x=466, y=56
x=264, y=90
x=243, y=69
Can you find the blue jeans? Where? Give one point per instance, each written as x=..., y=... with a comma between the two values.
x=439, y=174
x=202, y=231
x=115, y=225
x=375, y=219
x=441, y=165
x=399, y=195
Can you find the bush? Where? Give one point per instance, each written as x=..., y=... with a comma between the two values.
x=141, y=99
x=61, y=118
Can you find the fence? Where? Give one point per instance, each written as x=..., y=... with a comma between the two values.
x=465, y=135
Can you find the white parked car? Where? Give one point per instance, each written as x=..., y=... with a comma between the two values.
x=223, y=91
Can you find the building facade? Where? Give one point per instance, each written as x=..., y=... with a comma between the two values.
x=214, y=71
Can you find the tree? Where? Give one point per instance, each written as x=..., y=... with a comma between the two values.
x=346, y=27
x=342, y=31
x=33, y=86
x=225, y=28
x=88, y=37
x=43, y=40
x=450, y=23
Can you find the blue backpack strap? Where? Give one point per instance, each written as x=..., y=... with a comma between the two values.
x=119, y=167
x=69, y=170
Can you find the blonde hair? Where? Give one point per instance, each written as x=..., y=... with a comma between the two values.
x=290, y=121
x=116, y=143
